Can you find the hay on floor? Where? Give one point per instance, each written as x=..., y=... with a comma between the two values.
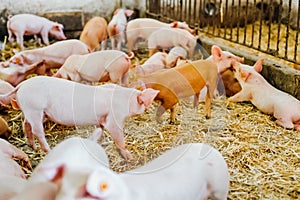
x=263, y=158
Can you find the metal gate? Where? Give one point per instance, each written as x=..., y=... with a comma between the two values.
x=270, y=26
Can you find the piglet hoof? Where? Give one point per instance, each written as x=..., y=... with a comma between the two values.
x=159, y=120
x=227, y=103
x=46, y=148
x=174, y=122
x=207, y=116
x=32, y=145
x=126, y=154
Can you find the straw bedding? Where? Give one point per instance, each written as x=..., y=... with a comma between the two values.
x=263, y=158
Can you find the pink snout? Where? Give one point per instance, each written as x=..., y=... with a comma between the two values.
x=57, y=32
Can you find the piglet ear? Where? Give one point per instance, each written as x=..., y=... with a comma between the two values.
x=174, y=24
x=56, y=27
x=147, y=96
x=128, y=12
x=216, y=52
x=258, y=65
x=116, y=11
x=54, y=174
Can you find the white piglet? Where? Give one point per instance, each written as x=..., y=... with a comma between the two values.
x=156, y=62
x=142, y=28
x=116, y=27
x=70, y=103
x=28, y=24
x=8, y=166
x=175, y=55
x=79, y=157
x=40, y=60
x=190, y=171
x=166, y=38
x=268, y=99
x=97, y=66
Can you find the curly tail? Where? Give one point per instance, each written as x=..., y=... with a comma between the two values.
x=130, y=55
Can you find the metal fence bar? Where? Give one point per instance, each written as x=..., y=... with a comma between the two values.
x=287, y=31
x=245, y=21
x=264, y=25
x=297, y=34
x=279, y=26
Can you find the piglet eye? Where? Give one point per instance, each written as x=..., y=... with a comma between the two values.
x=103, y=186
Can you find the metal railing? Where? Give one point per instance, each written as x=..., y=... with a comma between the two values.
x=270, y=26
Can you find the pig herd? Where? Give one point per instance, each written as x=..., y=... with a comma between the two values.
x=78, y=168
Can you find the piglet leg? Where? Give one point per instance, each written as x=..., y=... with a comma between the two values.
x=112, y=40
x=124, y=81
x=160, y=111
x=285, y=123
x=35, y=119
x=240, y=96
x=28, y=132
x=173, y=114
x=103, y=45
x=118, y=137
x=96, y=135
x=196, y=100
x=208, y=103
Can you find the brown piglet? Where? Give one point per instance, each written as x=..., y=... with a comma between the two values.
x=183, y=81
x=94, y=32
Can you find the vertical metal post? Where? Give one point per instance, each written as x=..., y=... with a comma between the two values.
x=271, y=14
x=288, y=30
x=238, y=22
x=231, y=24
x=279, y=25
x=297, y=35
x=253, y=28
x=260, y=23
x=246, y=20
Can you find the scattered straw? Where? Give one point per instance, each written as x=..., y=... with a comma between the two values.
x=263, y=158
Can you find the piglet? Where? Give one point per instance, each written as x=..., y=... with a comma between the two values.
x=94, y=32
x=42, y=190
x=10, y=186
x=116, y=27
x=156, y=62
x=223, y=60
x=268, y=99
x=28, y=24
x=14, y=186
x=12, y=177
x=167, y=38
x=7, y=165
x=79, y=157
x=189, y=171
x=180, y=82
x=40, y=60
x=226, y=79
x=5, y=87
x=175, y=55
x=142, y=28
x=97, y=66
x=77, y=104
